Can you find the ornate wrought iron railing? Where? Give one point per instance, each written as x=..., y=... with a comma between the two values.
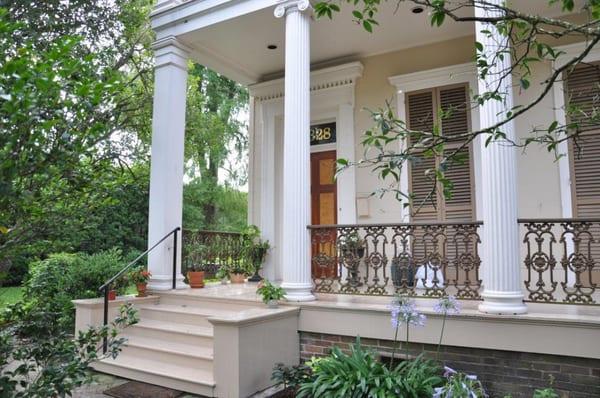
x=213, y=249
x=428, y=260
x=562, y=260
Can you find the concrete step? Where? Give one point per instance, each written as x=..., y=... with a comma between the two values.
x=181, y=314
x=170, y=349
x=144, y=352
x=190, y=299
x=128, y=365
x=180, y=334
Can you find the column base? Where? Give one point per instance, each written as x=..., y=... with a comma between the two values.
x=298, y=292
x=502, y=303
x=164, y=282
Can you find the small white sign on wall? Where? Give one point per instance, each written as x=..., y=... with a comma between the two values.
x=362, y=207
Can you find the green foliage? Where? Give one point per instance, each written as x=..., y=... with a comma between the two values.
x=72, y=102
x=459, y=384
x=254, y=248
x=216, y=140
x=360, y=374
x=526, y=39
x=291, y=376
x=270, y=292
x=230, y=206
x=50, y=363
x=9, y=295
x=62, y=277
x=545, y=393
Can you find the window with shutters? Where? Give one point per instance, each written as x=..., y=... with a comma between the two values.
x=422, y=110
x=583, y=97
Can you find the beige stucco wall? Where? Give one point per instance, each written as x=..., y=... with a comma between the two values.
x=539, y=193
x=538, y=181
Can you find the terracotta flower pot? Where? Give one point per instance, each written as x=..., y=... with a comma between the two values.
x=196, y=279
x=237, y=278
x=141, y=288
x=112, y=295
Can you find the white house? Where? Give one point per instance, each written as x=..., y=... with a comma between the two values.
x=520, y=235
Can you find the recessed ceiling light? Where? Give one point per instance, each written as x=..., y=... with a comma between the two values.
x=272, y=46
x=416, y=10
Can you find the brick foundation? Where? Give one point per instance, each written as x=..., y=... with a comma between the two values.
x=502, y=372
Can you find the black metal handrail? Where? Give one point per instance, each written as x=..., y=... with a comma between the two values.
x=106, y=287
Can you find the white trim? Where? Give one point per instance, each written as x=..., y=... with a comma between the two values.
x=454, y=74
x=558, y=90
x=320, y=80
x=332, y=146
x=332, y=100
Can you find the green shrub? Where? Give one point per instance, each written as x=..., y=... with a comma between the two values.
x=52, y=283
x=361, y=375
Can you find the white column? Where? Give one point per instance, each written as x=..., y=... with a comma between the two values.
x=296, y=151
x=500, y=241
x=166, y=171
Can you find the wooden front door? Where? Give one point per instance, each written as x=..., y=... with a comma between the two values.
x=324, y=209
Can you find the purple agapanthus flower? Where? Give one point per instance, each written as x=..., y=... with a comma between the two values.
x=448, y=371
x=447, y=305
x=404, y=311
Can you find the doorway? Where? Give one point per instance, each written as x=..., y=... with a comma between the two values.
x=323, y=191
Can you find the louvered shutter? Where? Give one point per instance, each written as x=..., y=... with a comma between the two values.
x=583, y=91
x=421, y=117
x=421, y=114
x=455, y=124
x=424, y=209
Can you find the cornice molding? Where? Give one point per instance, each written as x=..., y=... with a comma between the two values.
x=323, y=79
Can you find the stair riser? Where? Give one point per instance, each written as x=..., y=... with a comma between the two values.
x=155, y=379
x=174, y=317
x=142, y=354
x=167, y=337
x=204, y=304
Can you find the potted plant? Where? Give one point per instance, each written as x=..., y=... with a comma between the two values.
x=270, y=293
x=222, y=274
x=255, y=250
x=112, y=295
x=352, y=250
x=237, y=273
x=195, y=275
x=195, y=267
x=118, y=287
x=140, y=277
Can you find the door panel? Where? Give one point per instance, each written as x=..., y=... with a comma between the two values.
x=324, y=210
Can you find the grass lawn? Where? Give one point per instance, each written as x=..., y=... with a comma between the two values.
x=9, y=295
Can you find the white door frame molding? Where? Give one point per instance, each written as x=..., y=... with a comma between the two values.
x=332, y=99
x=558, y=91
x=454, y=74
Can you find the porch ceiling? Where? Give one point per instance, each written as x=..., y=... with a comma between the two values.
x=237, y=47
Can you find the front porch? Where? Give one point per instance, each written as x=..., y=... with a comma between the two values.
x=220, y=341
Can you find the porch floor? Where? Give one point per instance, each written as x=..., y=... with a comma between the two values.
x=564, y=313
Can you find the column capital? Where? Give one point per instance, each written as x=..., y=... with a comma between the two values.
x=170, y=51
x=287, y=6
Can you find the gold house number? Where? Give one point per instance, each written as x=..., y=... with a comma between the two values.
x=322, y=133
